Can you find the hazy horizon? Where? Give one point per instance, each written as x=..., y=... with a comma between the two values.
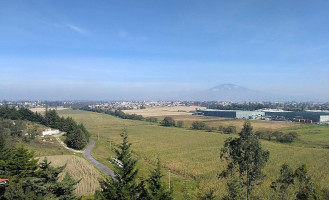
x=147, y=50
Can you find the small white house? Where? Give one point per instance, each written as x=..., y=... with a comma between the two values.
x=50, y=132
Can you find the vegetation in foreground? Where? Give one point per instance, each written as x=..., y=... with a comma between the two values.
x=28, y=180
x=124, y=186
x=195, y=162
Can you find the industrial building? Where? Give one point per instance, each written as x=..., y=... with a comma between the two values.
x=305, y=116
x=239, y=114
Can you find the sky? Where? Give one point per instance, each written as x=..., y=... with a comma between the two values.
x=135, y=50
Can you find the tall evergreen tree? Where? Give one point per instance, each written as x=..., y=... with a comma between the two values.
x=123, y=186
x=245, y=158
x=156, y=187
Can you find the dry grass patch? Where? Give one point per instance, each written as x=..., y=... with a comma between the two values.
x=78, y=168
x=164, y=111
x=41, y=110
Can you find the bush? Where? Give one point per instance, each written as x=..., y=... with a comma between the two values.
x=151, y=119
x=230, y=130
x=198, y=125
x=168, y=121
x=227, y=130
x=210, y=128
x=180, y=124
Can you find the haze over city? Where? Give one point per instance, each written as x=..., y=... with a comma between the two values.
x=135, y=50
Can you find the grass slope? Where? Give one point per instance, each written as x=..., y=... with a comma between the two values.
x=192, y=155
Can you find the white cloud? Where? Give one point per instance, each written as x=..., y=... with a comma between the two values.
x=76, y=29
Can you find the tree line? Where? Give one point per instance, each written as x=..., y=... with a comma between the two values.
x=77, y=136
x=118, y=113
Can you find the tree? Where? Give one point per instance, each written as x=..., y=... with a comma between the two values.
x=156, y=187
x=307, y=190
x=285, y=179
x=20, y=163
x=245, y=158
x=123, y=186
x=198, y=125
x=168, y=121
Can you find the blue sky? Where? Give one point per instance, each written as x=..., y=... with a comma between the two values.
x=113, y=50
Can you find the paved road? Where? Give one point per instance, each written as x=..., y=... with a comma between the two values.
x=87, y=154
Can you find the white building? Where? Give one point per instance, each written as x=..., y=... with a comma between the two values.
x=50, y=132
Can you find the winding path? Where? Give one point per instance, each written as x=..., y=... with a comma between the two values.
x=88, y=156
x=100, y=166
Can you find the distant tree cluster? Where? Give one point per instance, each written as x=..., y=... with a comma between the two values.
x=30, y=180
x=278, y=135
x=117, y=113
x=77, y=134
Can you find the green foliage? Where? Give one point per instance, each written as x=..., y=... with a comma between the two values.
x=307, y=190
x=156, y=188
x=279, y=136
x=209, y=195
x=228, y=130
x=124, y=185
x=78, y=136
x=245, y=157
x=198, y=125
x=30, y=181
x=151, y=119
x=168, y=121
x=286, y=179
x=234, y=189
x=180, y=124
x=18, y=162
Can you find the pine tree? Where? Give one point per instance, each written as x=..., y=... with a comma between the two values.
x=123, y=186
x=156, y=187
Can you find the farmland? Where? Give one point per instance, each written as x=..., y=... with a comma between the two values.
x=165, y=111
x=78, y=168
x=193, y=155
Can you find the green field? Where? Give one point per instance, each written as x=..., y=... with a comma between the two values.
x=193, y=155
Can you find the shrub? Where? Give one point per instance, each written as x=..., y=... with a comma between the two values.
x=198, y=125
x=180, y=124
x=168, y=121
x=151, y=119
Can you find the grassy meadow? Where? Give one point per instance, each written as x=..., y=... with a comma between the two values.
x=193, y=156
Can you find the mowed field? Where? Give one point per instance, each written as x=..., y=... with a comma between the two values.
x=193, y=155
x=164, y=111
x=41, y=110
x=78, y=168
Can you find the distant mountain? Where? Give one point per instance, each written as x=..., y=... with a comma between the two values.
x=228, y=87
x=229, y=92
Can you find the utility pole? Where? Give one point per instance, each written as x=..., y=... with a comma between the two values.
x=169, y=178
